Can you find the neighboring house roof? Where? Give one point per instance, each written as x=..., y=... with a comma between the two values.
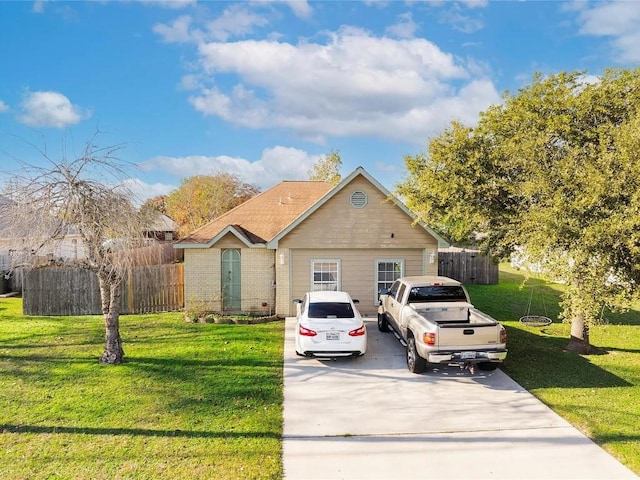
x=264, y=219
x=163, y=223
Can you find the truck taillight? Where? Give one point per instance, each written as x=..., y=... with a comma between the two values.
x=503, y=335
x=358, y=332
x=429, y=339
x=306, y=332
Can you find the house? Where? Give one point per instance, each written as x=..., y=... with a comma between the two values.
x=306, y=235
x=163, y=229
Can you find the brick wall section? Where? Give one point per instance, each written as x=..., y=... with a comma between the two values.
x=258, y=276
x=202, y=277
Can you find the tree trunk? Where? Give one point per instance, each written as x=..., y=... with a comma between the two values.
x=579, y=341
x=110, y=292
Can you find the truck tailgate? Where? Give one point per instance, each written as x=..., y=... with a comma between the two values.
x=456, y=336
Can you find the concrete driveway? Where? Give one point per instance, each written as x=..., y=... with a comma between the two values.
x=369, y=418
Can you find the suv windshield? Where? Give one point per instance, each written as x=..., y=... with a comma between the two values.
x=330, y=310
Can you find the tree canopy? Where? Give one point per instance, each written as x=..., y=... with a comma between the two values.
x=202, y=198
x=327, y=169
x=554, y=171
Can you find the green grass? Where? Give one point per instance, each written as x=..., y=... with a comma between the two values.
x=599, y=394
x=190, y=401
x=205, y=400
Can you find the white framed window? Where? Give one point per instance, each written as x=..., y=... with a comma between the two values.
x=325, y=274
x=388, y=270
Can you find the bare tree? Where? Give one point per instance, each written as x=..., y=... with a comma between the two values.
x=85, y=195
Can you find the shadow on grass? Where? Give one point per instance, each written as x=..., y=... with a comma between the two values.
x=10, y=428
x=554, y=367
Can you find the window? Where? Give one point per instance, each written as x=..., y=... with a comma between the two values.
x=400, y=293
x=388, y=271
x=394, y=289
x=325, y=275
x=437, y=293
x=330, y=310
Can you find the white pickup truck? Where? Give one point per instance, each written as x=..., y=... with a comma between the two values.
x=434, y=319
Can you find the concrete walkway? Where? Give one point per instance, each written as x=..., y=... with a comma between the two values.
x=369, y=418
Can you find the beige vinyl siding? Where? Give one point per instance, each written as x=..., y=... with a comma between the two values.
x=337, y=224
x=229, y=241
x=358, y=271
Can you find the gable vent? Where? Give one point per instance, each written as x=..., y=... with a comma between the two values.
x=358, y=199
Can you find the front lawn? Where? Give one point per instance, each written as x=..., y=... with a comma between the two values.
x=190, y=401
x=205, y=400
x=599, y=394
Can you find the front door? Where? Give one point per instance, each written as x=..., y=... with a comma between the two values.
x=231, y=280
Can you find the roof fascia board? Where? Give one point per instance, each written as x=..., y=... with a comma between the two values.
x=222, y=233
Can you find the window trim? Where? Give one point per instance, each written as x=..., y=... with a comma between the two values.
x=377, y=281
x=338, y=263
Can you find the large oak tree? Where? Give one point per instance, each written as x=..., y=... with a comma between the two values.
x=327, y=168
x=202, y=198
x=554, y=171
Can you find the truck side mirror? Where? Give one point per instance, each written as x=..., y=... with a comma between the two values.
x=384, y=291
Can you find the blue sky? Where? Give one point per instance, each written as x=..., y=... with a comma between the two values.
x=263, y=89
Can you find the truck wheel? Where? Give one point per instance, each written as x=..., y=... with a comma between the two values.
x=415, y=363
x=383, y=324
x=487, y=366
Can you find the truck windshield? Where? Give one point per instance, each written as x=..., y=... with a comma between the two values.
x=330, y=310
x=437, y=293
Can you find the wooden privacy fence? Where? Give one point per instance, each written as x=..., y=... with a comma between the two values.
x=467, y=266
x=75, y=291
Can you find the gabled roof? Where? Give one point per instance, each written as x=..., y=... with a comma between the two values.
x=266, y=218
x=346, y=181
x=258, y=220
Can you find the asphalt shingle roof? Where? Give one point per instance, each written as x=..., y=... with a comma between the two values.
x=262, y=217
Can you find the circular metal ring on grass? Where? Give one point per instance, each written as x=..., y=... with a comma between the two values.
x=535, y=320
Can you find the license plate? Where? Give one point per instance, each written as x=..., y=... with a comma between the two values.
x=333, y=336
x=467, y=355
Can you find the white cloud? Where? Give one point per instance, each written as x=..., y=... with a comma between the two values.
x=235, y=21
x=404, y=28
x=179, y=31
x=275, y=164
x=475, y=3
x=38, y=6
x=142, y=190
x=462, y=23
x=50, y=109
x=618, y=20
x=170, y=4
x=355, y=84
x=300, y=8
x=3, y=107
